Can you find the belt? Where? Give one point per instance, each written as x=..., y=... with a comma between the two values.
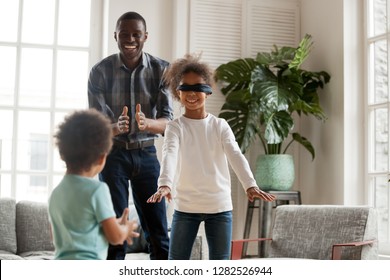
x=134, y=145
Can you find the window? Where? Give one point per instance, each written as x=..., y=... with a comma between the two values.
x=46, y=53
x=378, y=105
x=38, y=155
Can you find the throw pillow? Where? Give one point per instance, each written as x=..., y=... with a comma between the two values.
x=7, y=225
x=33, y=227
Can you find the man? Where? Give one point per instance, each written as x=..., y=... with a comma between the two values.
x=128, y=88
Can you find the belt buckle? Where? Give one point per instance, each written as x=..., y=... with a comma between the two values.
x=144, y=144
x=132, y=146
x=137, y=145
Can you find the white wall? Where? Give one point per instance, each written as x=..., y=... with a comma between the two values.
x=321, y=181
x=336, y=175
x=158, y=17
x=355, y=182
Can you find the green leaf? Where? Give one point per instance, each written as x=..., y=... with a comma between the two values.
x=235, y=75
x=242, y=122
x=277, y=57
x=271, y=93
x=242, y=95
x=277, y=127
x=305, y=143
x=263, y=93
x=302, y=52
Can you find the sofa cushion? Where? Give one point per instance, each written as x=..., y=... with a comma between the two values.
x=7, y=225
x=33, y=227
x=38, y=255
x=5, y=255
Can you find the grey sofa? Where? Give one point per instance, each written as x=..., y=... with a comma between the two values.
x=24, y=230
x=25, y=234
x=321, y=232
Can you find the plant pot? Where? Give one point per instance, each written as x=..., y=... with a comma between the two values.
x=275, y=172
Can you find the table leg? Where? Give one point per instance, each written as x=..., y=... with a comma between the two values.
x=248, y=222
x=264, y=225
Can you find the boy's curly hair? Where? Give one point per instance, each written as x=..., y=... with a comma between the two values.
x=82, y=138
x=189, y=63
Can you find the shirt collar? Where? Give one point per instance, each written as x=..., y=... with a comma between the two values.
x=119, y=63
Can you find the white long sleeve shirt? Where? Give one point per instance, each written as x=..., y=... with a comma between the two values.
x=195, y=164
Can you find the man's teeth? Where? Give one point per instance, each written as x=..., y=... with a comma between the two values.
x=130, y=47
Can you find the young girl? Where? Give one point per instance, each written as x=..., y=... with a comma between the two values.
x=196, y=151
x=81, y=213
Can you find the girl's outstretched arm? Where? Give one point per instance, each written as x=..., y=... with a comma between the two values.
x=161, y=192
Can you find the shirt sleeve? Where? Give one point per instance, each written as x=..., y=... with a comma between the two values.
x=164, y=102
x=236, y=159
x=96, y=90
x=169, y=162
x=101, y=202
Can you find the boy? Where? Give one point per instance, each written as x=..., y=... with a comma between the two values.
x=81, y=213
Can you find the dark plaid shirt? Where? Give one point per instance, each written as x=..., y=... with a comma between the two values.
x=112, y=85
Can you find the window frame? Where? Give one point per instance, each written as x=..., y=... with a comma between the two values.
x=94, y=50
x=372, y=174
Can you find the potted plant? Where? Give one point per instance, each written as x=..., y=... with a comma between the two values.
x=262, y=96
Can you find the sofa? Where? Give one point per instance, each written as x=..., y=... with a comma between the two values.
x=322, y=232
x=24, y=230
x=25, y=234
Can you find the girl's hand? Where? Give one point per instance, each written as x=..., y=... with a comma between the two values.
x=161, y=192
x=255, y=192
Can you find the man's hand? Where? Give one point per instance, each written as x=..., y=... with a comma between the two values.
x=123, y=121
x=142, y=121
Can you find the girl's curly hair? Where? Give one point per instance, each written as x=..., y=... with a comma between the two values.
x=189, y=63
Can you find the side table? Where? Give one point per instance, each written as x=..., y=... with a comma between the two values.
x=265, y=209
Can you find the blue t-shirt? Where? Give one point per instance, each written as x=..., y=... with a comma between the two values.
x=77, y=206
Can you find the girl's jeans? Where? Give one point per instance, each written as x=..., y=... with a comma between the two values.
x=218, y=228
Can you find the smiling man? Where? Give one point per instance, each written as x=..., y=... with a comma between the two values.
x=128, y=88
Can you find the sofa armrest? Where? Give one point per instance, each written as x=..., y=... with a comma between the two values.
x=337, y=248
x=237, y=245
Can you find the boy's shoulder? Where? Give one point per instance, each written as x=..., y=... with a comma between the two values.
x=76, y=181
